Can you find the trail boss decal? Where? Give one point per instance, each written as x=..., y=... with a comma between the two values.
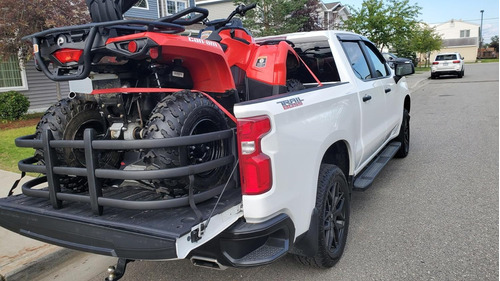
x=291, y=103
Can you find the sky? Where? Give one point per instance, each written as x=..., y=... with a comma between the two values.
x=439, y=11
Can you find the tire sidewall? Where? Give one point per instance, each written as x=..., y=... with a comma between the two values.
x=405, y=128
x=175, y=116
x=333, y=174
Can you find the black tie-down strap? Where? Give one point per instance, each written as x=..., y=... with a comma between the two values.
x=16, y=183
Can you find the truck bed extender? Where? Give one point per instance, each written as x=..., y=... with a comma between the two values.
x=300, y=153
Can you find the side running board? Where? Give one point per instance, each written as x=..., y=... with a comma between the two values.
x=366, y=178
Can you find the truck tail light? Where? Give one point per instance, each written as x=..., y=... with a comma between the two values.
x=68, y=55
x=436, y=62
x=255, y=166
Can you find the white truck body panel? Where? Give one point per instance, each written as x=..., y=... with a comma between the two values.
x=300, y=136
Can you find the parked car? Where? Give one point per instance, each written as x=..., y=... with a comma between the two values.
x=448, y=64
x=391, y=58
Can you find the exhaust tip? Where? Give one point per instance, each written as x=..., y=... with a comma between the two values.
x=207, y=263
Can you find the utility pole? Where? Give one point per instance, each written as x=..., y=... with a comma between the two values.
x=481, y=36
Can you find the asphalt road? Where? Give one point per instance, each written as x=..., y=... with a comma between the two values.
x=430, y=216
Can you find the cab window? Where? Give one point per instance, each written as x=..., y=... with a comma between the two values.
x=379, y=67
x=357, y=59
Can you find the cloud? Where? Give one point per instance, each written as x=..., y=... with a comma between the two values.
x=489, y=30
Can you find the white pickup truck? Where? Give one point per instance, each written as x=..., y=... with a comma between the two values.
x=300, y=154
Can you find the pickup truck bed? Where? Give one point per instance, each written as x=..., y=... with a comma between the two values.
x=131, y=234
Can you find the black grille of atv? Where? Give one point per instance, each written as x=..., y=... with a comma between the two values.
x=95, y=175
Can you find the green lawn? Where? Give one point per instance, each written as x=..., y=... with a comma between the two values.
x=421, y=69
x=10, y=154
x=488, y=60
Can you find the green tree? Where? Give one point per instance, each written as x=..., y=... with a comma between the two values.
x=425, y=39
x=494, y=43
x=272, y=17
x=23, y=17
x=385, y=23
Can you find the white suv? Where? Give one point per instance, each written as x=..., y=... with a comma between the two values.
x=448, y=64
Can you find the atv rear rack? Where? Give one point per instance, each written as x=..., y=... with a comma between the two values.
x=94, y=174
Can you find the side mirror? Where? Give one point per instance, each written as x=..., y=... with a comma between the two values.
x=463, y=58
x=403, y=69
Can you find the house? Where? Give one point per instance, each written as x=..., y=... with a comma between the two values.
x=218, y=9
x=458, y=36
x=488, y=53
x=40, y=90
x=155, y=9
x=332, y=15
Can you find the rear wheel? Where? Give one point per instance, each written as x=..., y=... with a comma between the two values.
x=67, y=120
x=333, y=205
x=184, y=114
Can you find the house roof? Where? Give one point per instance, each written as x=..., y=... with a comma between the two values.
x=330, y=6
x=454, y=20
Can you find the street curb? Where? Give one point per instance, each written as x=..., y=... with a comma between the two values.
x=31, y=270
x=416, y=85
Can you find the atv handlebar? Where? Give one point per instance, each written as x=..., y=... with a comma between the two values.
x=242, y=9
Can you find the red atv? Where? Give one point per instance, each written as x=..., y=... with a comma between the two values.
x=160, y=112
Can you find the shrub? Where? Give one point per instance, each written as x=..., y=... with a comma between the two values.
x=13, y=105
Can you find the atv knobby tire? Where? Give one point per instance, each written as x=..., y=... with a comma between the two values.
x=67, y=120
x=293, y=85
x=183, y=114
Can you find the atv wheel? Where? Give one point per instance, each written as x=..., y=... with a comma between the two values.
x=183, y=114
x=67, y=120
x=293, y=85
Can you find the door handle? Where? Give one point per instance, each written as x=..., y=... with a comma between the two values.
x=367, y=98
x=387, y=90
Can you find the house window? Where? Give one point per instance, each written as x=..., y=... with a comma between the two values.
x=170, y=7
x=464, y=33
x=12, y=76
x=142, y=4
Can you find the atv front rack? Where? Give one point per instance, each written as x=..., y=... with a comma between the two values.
x=95, y=175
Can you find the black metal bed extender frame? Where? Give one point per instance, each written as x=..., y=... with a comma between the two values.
x=95, y=174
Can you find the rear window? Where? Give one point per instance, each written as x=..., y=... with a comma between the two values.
x=446, y=57
x=318, y=57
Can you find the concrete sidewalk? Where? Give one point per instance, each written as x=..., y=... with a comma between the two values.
x=23, y=258
x=27, y=259
x=19, y=252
